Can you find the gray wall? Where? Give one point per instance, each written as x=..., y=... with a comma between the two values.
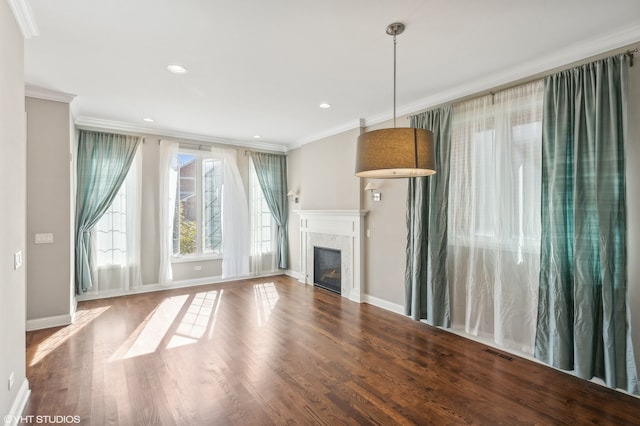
x=49, y=201
x=323, y=174
x=13, y=212
x=51, y=197
x=632, y=151
x=327, y=180
x=386, y=243
x=385, y=248
x=294, y=176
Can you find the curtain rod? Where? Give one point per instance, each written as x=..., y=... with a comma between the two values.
x=248, y=153
x=629, y=53
x=196, y=146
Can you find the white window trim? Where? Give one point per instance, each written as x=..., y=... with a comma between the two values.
x=197, y=257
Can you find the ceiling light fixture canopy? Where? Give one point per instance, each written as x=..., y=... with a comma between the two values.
x=397, y=152
x=177, y=69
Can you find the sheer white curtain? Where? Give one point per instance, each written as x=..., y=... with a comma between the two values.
x=115, y=240
x=235, y=218
x=167, y=208
x=494, y=215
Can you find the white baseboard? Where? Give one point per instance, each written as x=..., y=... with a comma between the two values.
x=381, y=303
x=294, y=274
x=148, y=288
x=48, y=322
x=74, y=308
x=18, y=405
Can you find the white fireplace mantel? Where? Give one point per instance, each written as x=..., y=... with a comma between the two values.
x=337, y=229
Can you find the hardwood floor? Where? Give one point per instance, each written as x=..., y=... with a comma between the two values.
x=274, y=351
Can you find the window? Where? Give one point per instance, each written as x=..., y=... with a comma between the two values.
x=114, y=235
x=262, y=223
x=495, y=170
x=263, y=228
x=115, y=239
x=493, y=210
x=198, y=219
x=111, y=232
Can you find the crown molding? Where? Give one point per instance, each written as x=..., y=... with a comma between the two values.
x=98, y=123
x=48, y=94
x=24, y=17
x=327, y=133
x=568, y=55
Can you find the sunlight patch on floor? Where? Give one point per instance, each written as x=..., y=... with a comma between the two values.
x=266, y=296
x=149, y=334
x=198, y=318
x=83, y=317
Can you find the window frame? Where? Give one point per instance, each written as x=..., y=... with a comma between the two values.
x=200, y=254
x=117, y=207
x=258, y=213
x=492, y=240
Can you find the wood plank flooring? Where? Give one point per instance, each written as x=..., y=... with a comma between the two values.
x=273, y=351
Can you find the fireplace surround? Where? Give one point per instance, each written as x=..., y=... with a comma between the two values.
x=338, y=230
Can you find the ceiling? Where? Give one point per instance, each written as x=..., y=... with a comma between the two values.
x=259, y=67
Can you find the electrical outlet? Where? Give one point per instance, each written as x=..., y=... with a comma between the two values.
x=198, y=268
x=10, y=381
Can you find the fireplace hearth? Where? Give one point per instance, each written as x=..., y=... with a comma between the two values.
x=327, y=266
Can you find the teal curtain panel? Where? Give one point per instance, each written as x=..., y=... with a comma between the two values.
x=583, y=312
x=426, y=281
x=103, y=162
x=271, y=170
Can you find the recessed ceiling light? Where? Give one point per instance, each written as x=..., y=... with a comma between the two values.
x=324, y=105
x=177, y=69
x=257, y=136
x=148, y=120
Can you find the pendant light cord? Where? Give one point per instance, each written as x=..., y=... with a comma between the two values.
x=394, y=81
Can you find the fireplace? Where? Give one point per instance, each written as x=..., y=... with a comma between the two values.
x=340, y=230
x=327, y=266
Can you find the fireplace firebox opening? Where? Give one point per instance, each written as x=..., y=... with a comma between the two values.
x=327, y=269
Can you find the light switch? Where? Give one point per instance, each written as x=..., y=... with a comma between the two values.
x=44, y=238
x=17, y=259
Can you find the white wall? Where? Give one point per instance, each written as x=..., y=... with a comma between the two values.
x=50, y=277
x=13, y=213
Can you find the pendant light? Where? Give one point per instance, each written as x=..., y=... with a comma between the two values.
x=397, y=152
